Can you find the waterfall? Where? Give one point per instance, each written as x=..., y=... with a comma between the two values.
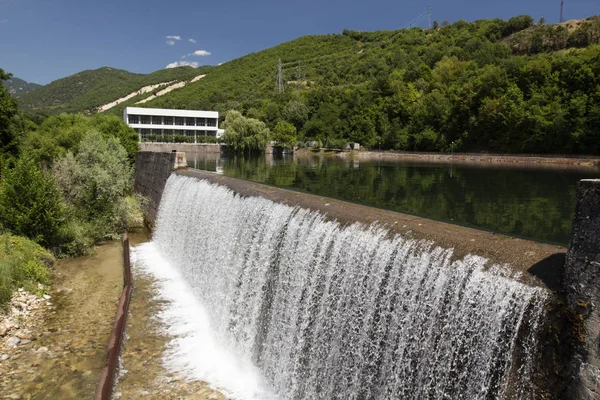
x=325, y=311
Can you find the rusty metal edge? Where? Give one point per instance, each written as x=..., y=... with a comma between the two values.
x=109, y=371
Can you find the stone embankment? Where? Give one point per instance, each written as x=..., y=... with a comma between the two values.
x=18, y=327
x=467, y=158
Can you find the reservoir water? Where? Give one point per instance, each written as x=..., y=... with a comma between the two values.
x=529, y=201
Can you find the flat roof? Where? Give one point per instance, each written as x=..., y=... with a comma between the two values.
x=167, y=112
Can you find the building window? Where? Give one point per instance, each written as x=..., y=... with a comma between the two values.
x=178, y=120
x=201, y=121
x=156, y=120
x=168, y=120
x=211, y=122
x=134, y=119
x=145, y=119
x=168, y=132
x=190, y=121
x=190, y=133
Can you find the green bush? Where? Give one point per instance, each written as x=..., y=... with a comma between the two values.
x=60, y=134
x=23, y=263
x=284, y=135
x=30, y=203
x=337, y=144
x=94, y=183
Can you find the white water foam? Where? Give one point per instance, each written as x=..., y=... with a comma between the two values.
x=194, y=352
x=331, y=312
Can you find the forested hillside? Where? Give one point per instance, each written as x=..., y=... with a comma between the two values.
x=88, y=90
x=18, y=87
x=492, y=85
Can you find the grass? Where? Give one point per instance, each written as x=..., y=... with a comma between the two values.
x=23, y=263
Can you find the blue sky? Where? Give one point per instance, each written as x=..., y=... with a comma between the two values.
x=44, y=40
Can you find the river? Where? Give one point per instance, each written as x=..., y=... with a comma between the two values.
x=535, y=202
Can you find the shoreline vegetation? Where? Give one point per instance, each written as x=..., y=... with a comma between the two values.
x=66, y=184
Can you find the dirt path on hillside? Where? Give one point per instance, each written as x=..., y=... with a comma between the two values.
x=68, y=346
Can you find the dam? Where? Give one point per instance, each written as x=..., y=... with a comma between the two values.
x=311, y=298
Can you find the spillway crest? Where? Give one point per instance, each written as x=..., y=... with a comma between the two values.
x=326, y=311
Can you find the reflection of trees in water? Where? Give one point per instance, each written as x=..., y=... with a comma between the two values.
x=527, y=202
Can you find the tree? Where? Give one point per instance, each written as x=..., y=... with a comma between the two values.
x=284, y=135
x=8, y=110
x=244, y=134
x=62, y=133
x=96, y=177
x=30, y=203
x=113, y=126
x=296, y=113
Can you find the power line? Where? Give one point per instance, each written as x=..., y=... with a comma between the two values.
x=419, y=18
x=422, y=16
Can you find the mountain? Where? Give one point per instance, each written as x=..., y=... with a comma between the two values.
x=88, y=90
x=18, y=87
x=490, y=85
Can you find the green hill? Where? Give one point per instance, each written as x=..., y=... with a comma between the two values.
x=459, y=87
x=18, y=87
x=88, y=90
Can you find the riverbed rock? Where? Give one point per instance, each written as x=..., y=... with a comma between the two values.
x=5, y=327
x=12, y=341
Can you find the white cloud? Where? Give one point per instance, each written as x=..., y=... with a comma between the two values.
x=170, y=42
x=173, y=37
x=200, y=53
x=183, y=64
x=192, y=40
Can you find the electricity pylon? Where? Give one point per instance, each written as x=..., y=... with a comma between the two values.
x=279, y=82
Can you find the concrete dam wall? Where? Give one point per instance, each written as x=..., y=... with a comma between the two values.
x=539, y=327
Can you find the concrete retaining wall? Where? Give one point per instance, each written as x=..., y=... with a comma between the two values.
x=186, y=147
x=152, y=169
x=582, y=286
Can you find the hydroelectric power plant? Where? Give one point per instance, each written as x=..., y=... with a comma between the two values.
x=270, y=299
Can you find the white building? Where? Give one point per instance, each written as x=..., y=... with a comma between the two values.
x=165, y=122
